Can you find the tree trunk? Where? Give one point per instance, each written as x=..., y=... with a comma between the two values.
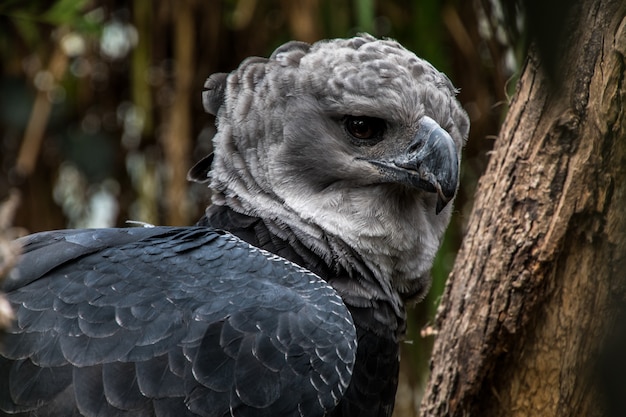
x=527, y=305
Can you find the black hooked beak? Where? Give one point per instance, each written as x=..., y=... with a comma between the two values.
x=430, y=163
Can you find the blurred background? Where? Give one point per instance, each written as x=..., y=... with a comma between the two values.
x=101, y=116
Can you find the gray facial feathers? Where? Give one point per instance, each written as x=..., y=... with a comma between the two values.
x=303, y=138
x=213, y=96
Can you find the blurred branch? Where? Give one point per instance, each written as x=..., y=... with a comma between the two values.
x=177, y=139
x=33, y=137
x=303, y=19
x=141, y=61
x=458, y=32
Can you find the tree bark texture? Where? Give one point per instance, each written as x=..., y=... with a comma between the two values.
x=527, y=305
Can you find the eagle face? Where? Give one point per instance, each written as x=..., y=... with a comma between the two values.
x=355, y=138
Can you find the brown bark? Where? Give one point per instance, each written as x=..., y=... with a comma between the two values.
x=527, y=304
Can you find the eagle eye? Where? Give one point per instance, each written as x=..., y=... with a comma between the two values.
x=364, y=127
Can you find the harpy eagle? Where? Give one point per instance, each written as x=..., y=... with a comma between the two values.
x=333, y=170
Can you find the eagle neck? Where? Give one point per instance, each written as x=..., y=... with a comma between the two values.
x=371, y=300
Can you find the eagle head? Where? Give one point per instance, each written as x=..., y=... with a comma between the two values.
x=356, y=140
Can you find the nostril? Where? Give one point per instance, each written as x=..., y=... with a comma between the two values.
x=416, y=145
x=426, y=129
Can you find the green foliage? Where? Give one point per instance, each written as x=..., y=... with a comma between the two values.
x=31, y=20
x=365, y=15
x=61, y=12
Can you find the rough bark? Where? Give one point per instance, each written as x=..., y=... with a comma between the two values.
x=526, y=307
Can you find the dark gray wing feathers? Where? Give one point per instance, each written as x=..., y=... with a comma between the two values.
x=171, y=321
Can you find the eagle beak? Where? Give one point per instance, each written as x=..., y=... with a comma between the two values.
x=430, y=163
x=433, y=158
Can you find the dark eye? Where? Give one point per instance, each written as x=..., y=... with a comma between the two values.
x=365, y=128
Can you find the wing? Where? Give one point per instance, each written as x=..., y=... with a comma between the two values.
x=170, y=322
